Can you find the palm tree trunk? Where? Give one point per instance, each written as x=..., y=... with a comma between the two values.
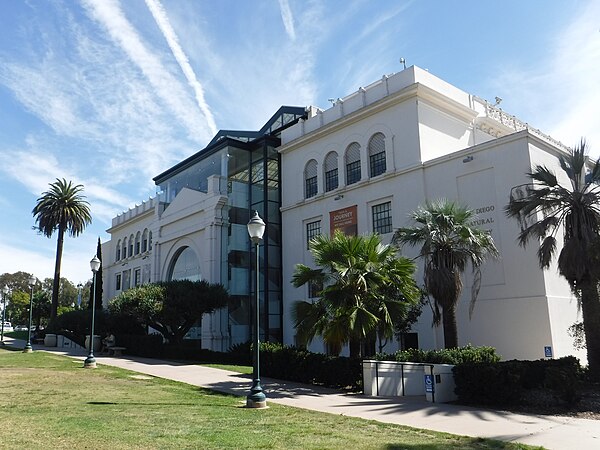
x=56, y=284
x=450, y=328
x=590, y=306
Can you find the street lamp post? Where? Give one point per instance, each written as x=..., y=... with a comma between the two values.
x=256, y=398
x=90, y=361
x=79, y=287
x=4, y=294
x=28, y=348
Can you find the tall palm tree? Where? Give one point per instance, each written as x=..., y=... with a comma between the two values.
x=449, y=242
x=363, y=287
x=546, y=206
x=62, y=208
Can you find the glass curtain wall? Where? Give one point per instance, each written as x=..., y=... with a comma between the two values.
x=253, y=184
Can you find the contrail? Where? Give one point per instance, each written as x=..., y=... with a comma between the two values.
x=288, y=19
x=160, y=16
x=168, y=88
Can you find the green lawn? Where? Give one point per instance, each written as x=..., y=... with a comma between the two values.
x=49, y=401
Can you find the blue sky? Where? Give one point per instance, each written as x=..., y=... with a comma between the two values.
x=110, y=93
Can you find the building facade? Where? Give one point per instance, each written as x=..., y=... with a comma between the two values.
x=362, y=166
x=196, y=228
x=376, y=155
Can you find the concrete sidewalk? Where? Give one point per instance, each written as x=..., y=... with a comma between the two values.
x=552, y=432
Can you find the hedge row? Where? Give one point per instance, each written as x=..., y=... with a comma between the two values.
x=510, y=382
x=459, y=355
x=276, y=360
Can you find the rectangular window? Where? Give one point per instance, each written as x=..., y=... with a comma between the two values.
x=314, y=289
x=331, y=180
x=126, y=280
x=353, y=172
x=137, y=277
x=311, y=187
x=118, y=283
x=312, y=229
x=382, y=218
x=377, y=163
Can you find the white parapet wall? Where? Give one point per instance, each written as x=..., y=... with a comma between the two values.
x=400, y=379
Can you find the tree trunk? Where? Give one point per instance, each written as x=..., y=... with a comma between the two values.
x=56, y=284
x=590, y=306
x=355, y=348
x=450, y=328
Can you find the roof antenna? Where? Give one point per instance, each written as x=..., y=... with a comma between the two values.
x=403, y=62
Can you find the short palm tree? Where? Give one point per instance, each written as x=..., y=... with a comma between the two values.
x=449, y=242
x=62, y=208
x=363, y=287
x=546, y=206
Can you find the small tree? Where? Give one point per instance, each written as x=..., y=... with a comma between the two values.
x=449, y=243
x=364, y=288
x=171, y=307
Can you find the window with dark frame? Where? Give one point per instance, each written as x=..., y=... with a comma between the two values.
x=312, y=229
x=310, y=179
x=331, y=171
x=118, y=282
x=377, y=163
x=382, y=218
x=137, y=277
x=353, y=163
x=331, y=180
x=314, y=289
x=311, y=187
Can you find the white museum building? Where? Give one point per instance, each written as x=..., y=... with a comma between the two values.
x=362, y=165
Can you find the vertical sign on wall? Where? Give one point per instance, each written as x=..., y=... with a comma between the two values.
x=345, y=220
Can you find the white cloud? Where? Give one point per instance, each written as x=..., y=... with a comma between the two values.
x=288, y=18
x=559, y=94
x=162, y=20
x=167, y=87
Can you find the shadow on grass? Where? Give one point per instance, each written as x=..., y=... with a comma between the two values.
x=141, y=404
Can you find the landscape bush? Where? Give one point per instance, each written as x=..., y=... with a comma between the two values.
x=459, y=355
x=508, y=382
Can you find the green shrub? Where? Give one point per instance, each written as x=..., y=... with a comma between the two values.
x=460, y=355
x=505, y=383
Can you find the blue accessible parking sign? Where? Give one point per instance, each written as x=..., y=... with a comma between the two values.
x=429, y=383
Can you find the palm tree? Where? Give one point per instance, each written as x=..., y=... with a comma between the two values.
x=62, y=208
x=449, y=242
x=547, y=206
x=362, y=289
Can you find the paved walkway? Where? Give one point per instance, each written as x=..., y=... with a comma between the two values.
x=552, y=432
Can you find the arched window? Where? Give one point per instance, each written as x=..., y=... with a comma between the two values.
x=185, y=265
x=131, y=241
x=377, y=155
x=124, y=251
x=310, y=179
x=138, y=238
x=150, y=240
x=353, y=163
x=118, y=255
x=330, y=167
x=145, y=240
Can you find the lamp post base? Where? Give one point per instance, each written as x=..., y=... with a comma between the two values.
x=28, y=348
x=89, y=363
x=256, y=398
